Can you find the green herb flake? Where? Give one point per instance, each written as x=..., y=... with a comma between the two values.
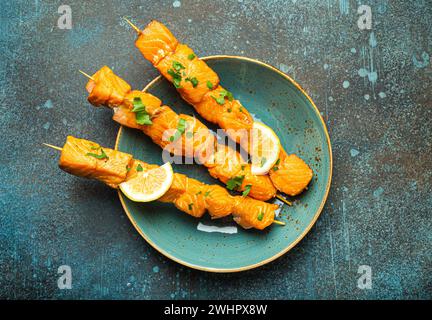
x=191, y=56
x=229, y=109
x=193, y=80
x=139, y=168
x=101, y=156
x=177, y=66
x=143, y=118
x=127, y=168
x=220, y=100
x=235, y=182
x=247, y=190
x=229, y=95
x=95, y=147
x=222, y=95
x=181, y=125
x=206, y=194
x=176, y=77
x=198, y=193
x=275, y=167
x=260, y=216
x=243, y=166
x=209, y=84
x=190, y=206
x=141, y=115
x=263, y=161
x=181, y=128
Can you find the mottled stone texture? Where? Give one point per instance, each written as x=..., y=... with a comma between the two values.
x=372, y=86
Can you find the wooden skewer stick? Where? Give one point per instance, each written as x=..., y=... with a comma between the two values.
x=133, y=26
x=284, y=200
x=88, y=76
x=279, y=222
x=51, y=146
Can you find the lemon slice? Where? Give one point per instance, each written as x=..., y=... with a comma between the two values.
x=148, y=185
x=265, y=148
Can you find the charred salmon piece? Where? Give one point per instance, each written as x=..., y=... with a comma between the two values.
x=88, y=159
x=192, y=201
x=178, y=187
x=107, y=89
x=219, y=202
x=155, y=42
x=151, y=103
x=217, y=108
x=164, y=119
x=292, y=175
x=251, y=213
x=192, y=77
x=228, y=165
x=261, y=186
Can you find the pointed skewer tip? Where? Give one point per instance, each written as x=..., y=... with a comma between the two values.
x=132, y=25
x=279, y=222
x=85, y=74
x=51, y=146
x=284, y=200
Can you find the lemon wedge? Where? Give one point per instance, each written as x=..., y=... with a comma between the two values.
x=265, y=148
x=148, y=185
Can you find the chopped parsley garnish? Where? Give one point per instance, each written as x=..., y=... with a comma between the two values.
x=260, y=216
x=243, y=166
x=177, y=66
x=220, y=100
x=193, y=80
x=246, y=190
x=235, y=182
x=141, y=115
x=95, y=148
x=222, y=95
x=229, y=110
x=209, y=84
x=198, y=193
x=263, y=161
x=275, y=167
x=190, y=206
x=181, y=128
x=229, y=95
x=191, y=56
x=127, y=168
x=176, y=77
x=139, y=168
x=103, y=155
x=206, y=194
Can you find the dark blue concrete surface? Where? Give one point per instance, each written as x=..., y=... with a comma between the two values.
x=372, y=86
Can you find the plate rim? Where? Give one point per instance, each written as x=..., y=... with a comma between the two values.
x=292, y=244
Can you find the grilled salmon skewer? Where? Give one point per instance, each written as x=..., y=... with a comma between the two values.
x=171, y=131
x=199, y=85
x=187, y=194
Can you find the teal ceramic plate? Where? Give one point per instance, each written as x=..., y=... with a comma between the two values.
x=275, y=99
